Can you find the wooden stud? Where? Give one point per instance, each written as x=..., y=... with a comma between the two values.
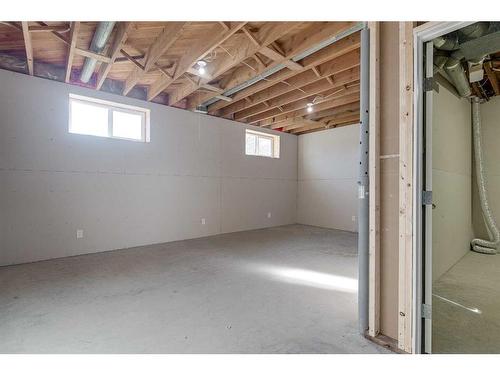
x=405, y=186
x=75, y=27
x=374, y=184
x=28, y=47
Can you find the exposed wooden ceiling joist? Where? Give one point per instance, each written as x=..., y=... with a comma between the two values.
x=171, y=32
x=161, y=57
x=316, y=88
x=329, y=95
x=339, y=48
x=330, y=104
x=121, y=35
x=198, y=51
x=345, y=120
x=336, y=67
x=75, y=28
x=245, y=49
x=28, y=47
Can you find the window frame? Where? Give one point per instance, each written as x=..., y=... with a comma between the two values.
x=111, y=108
x=275, y=143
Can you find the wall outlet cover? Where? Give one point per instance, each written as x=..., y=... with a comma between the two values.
x=79, y=233
x=268, y=215
x=203, y=221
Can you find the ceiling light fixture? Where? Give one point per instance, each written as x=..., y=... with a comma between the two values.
x=309, y=107
x=201, y=66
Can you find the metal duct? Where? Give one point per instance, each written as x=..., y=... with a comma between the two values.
x=479, y=245
x=456, y=72
x=475, y=30
x=446, y=42
x=97, y=45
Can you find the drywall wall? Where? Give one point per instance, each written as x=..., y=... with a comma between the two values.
x=327, y=178
x=389, y=172
x=490, y=121
x=124, y=193
x=451, y=180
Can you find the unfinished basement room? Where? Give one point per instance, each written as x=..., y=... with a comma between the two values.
x=180, y=187
x=249, y=184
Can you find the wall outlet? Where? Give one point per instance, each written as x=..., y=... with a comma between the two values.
x=79, y=233
x=203, y=221
x=354, y=218
x=268, y=215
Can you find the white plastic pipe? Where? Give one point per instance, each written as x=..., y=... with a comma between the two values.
x=477, y=244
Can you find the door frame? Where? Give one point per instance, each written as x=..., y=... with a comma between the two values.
x=421, y=35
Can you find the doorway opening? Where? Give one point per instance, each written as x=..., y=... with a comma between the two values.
x=459, y=163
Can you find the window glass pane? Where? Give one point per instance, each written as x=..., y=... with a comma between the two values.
x=127, y=125
x=251, y=144
x=89, y=119
x=265, y=146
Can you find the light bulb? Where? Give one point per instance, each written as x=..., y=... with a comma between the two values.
x=309, y=107
x=201, y=66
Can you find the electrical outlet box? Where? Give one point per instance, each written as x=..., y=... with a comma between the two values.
x=268, y=215
x=354, y=218
x=203, y=221
x=79, y=233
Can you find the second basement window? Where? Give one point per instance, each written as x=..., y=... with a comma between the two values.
x=101, y=118
x=262, y=144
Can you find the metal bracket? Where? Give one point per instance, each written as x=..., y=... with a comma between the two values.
x=430, y=84
x=426, y=311
x=426, y=197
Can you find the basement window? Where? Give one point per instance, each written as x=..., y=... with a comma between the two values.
x=262, y=144
x=102, y=118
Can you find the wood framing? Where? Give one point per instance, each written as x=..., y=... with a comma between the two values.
x=75, y=28
x=374, y=184
x=195, y=53
x=245, y=49
x=405, y=186
x=256, y=72
x=171, y=32
x=28, y=47
x=116, y=49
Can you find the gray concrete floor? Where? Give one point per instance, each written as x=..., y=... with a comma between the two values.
x=466, y=306
x=288, y=289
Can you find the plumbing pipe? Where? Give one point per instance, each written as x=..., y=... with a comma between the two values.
x=97, y=45
x=363, y=184
x=479, y=245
